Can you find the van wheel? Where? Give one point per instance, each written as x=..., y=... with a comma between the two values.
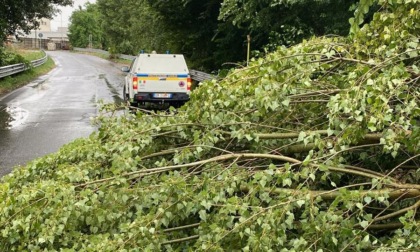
x=125, y=95
x=126, y=98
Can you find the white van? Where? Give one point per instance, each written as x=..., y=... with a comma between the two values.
x=157, y=78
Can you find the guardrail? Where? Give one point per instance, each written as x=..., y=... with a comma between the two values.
x=195, y=74
x=17, y=68
x=200, y=76
x=122, y=56
x=91, y=50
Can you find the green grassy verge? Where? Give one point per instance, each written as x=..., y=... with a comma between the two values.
x=30, y=54
x=26, y=54
x=10, y=83
x=103, y=56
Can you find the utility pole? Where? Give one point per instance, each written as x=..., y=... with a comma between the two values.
x=248, y=37
x=90, y=41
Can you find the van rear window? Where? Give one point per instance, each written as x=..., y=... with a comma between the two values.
x=161, y=63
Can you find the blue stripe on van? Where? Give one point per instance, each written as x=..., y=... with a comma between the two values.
x=168, y=75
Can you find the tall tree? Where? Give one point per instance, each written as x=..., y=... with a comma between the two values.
x=212, y=33
x=286, y=22
x=131, y=26
x=194, y=24
x=85, y=27
x=24, y=15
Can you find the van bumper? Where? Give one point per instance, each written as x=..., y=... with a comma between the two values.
x=149, y=97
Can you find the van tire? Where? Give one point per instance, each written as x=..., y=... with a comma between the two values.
x=126, y=99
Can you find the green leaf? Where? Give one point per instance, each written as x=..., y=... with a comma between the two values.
x=300, y=203
x=323, y=167
x=364, y=224
x=302, y=136
x=335, y=241
x=287, y=182
x=203, y=215
x=286, y=102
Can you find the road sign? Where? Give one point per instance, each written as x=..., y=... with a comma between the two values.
x=40, y=35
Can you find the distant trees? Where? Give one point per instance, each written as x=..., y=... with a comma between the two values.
x=212, y=33
x=24, y=15
x=85, y=27
x=132, y=25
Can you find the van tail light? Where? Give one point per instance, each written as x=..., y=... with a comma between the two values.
x=135, y=83
x=189, y=84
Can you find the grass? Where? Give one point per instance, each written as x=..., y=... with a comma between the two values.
x=27, y=54
x=10, y=83
x=31, y=54
x=103, y=56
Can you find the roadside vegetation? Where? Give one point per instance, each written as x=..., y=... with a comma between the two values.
x=314, y=147
x=17, y=56
x=211, y=34
x=23, y=16
x=112, y=58
x=16, y=18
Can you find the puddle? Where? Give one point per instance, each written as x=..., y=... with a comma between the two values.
x=11, y=117
x=39, y=84
x=115, y=93
x=4, y=118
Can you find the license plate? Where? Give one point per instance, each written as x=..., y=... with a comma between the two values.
x=162, y=95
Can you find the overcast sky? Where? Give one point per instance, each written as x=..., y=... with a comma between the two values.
x=63, y=18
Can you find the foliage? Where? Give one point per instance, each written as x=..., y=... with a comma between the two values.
x=131, y=26
x=213, y=33
x=273, y=23
x=25, y=15
x=10, y=83
x=85, y=28
x=195, y=29
x=314, y=147
x=8, y=57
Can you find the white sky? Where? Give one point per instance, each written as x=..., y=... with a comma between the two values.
x=62, y=20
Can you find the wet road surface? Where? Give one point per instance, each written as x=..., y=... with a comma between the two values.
x=55, y=109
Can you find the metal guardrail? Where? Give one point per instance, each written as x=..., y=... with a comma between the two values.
x=195, y=75
x=17, y=68
x=127, y=57
x=122, y=56
x=91, y=50
x=200, y=76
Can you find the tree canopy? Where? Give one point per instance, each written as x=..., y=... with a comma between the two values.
x=212, y=33
x=287, y=22
x=314, y=147
x=25, y=15
x=85, y=27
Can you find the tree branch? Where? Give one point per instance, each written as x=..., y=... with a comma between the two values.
x=399, y=212
x=333, y=194
x=181, y=240
x=202, y=162
x=370, y=175
x=181, y=228
x=387, y=226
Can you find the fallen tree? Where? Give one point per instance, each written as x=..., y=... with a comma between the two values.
x=314, y=147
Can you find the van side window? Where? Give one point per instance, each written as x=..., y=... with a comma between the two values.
x=132, y=63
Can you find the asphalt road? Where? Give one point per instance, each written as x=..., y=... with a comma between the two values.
x=55, y=109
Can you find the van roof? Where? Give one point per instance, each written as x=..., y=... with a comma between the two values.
x=161, y=63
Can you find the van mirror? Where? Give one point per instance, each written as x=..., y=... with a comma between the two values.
x=125, y=69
